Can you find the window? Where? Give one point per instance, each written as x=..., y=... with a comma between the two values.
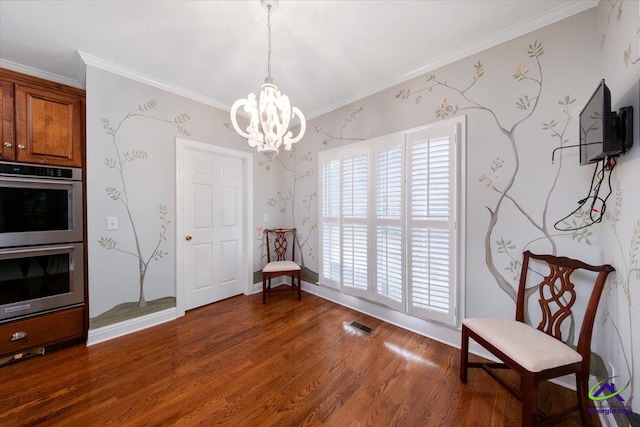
x=388, y=220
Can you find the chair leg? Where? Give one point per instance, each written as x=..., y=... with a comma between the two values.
x=529, y=400
x=264, y=289
x=464, y=354
x=582, y=388
x=299, y=286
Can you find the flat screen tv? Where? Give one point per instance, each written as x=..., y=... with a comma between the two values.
x=602, y=131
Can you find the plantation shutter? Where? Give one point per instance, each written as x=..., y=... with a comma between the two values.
x=330, y=270
x=388, y=223
x=431, y=225
x=355, y=189
x=388, y=220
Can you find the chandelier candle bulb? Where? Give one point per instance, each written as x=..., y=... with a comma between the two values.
x=269, y=119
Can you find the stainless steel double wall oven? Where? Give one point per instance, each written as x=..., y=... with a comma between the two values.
x=41, y=232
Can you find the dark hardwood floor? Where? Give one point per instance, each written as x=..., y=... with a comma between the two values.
x=241, y=363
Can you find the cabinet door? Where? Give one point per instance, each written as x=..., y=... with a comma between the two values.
x=49, y=127
x=7, y=149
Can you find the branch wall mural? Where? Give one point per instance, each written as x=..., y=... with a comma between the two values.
x=299, y=202
x=126, y=161
x=118, y=192
x=131, y=176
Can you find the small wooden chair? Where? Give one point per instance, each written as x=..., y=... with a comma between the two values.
x=538, y=354
x=280, y=266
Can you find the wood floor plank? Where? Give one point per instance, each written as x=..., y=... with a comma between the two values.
x=241, y=363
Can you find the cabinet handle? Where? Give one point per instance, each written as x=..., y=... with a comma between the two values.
x=8, y=144
x=18, y=336
x=20, y=146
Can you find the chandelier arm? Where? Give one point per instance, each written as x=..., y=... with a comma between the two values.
x=234, y=117
x=288, y=139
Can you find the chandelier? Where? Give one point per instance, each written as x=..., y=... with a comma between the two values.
x=271, y=115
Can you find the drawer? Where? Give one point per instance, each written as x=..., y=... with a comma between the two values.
x=42, y=330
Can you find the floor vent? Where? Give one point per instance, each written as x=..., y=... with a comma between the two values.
x=362, y=327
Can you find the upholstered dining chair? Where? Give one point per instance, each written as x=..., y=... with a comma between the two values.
x=280, y=266
x=540, y=353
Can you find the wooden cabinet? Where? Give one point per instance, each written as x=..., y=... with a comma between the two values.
x=42, y=331
x=42, y=122
x=7, y=131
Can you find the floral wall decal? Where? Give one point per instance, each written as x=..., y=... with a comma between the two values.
x=119, y=192
x=299, y=200
x=328, y=137
x=493, y=180
x=299, y=167
x=627, y=271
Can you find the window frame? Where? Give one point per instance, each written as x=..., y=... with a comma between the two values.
x=457, y=129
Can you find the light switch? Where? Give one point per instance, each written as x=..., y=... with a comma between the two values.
x=265, y=218
x=112, y=223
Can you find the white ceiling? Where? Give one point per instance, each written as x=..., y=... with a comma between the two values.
x=325, y=53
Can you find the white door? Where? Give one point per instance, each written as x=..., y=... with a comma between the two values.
x=212, y=223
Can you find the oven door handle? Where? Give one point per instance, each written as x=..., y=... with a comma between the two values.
x=33, y=249
x=44, y=181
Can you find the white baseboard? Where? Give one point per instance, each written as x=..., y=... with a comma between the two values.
x=257, y=287
x=128, y=326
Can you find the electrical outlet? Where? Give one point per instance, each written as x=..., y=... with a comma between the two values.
x=112, y=223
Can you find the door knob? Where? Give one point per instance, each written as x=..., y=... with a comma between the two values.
x=187, y=237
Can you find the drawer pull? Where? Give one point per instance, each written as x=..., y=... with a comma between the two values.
x=18, y=336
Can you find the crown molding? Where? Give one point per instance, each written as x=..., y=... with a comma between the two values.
x=102, y=64
x=509, y=33
x=36, y=72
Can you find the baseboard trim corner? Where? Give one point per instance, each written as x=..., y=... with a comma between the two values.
x=129, y=326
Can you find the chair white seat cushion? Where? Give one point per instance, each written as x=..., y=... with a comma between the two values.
x=274, y=266
x=532, y=349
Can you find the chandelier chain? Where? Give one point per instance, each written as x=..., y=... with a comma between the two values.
x=269, y=40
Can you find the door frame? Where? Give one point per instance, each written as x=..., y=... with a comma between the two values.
x=182, y=145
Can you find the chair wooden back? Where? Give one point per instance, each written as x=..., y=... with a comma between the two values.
x=280, y=243
x=557, y=295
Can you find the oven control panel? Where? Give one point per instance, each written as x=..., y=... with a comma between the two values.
x=27, y=170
